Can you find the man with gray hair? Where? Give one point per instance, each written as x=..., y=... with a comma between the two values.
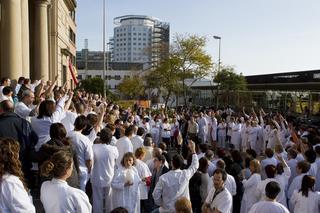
x=24, y=108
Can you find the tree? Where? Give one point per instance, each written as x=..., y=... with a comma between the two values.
x=187, y=60
x=92, y=85
x=229, y=81
x=132, y=87
x=192, y=60
x=165, y=78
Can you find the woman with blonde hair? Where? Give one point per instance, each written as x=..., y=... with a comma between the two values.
x=125, y=185
x=56, y=195
x=14, y=195
x=250, y=185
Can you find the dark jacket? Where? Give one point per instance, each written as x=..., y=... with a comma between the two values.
x=53, y=146
x=12, y=126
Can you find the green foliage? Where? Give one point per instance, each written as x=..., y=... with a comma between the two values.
x=227, y=79
x=132, y=88
x=187, y=59
x=92, y=85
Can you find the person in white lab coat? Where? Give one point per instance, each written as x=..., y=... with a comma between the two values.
x=125, y=185
x=83, y=147
x=270, y=203
x=144, y=174
x=236, y=135
x=124, y=144
x=49, y=113
x=105, y=156
x=219, y=198
x=137, y=140
x=175, y=183
x=302, y=169
x=261, y=188
x=56, y=195
x=14, y=195
x=203, y=128
x=306, y=200
x=230, y=182
x=249, y=198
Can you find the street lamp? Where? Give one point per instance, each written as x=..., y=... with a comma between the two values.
x=219, y=64
x=104, y=47
x=218, y=38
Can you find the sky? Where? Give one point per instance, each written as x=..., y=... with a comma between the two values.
x=257, y=36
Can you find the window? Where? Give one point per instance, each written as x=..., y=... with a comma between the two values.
x=72, y=36
x=117, y=77
x=89, y=76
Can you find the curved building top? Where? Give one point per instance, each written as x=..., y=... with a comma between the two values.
x=134, y=19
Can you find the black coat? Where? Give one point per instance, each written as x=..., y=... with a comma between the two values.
x=13, y=126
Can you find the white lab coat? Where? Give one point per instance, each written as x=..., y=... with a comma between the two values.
x=144, y=172
x=235, y=135
x=13, y=196
x=57, y=197
x=126, y=196
x=68, y=120
x=222, y=202
x=261, y=192
x=203, y=129
x=253, y=138
x=174, y=185
x=268, y=207
x=295, y=184
x=249, y=198
x=244, y=134
x=137, y=142
x=105, y=157
x=214, y=128
x=309, y=204
x=83, y=147
x=41, y=126
x=231, y=185
x=123, y=145
x=22, y=110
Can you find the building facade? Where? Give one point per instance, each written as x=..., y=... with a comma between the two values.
x=90, y=65
x=37, y=38
x=140, y=39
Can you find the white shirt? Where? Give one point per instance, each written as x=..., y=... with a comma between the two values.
x=268, y=207
x=105, y=157
x=222, y=202
x=123, y=145
x=249, y=198
x=68, y=120
x=143, y=171
x=295, y=184
x=22, y=110
x=261, y=190
x=57, y=196
x=302, y=204
x=230, y=184
x=137, y=142
x=83, y=147
x=174, y=185
x=13, y=196
x=42, y=125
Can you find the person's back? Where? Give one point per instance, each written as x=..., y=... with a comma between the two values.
x=305, y=204
x=175, y=184
x=269, y=204
x=268, y=207
x=66, y=199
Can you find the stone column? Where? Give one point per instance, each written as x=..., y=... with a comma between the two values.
x=41, y=43
x=11, y=56
x=25, y=38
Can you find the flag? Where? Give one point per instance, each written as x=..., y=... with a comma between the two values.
x=73, y=73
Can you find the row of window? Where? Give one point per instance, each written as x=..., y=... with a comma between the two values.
x=108, y=77
x=134, y=39
x=129, y=53
x=129, y=34
x=133, y=29
x=134, y=43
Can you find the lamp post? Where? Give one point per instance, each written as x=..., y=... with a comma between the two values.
x=104, y=47
x=219, y=63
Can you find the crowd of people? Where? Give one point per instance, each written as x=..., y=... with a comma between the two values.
x=72, y=151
